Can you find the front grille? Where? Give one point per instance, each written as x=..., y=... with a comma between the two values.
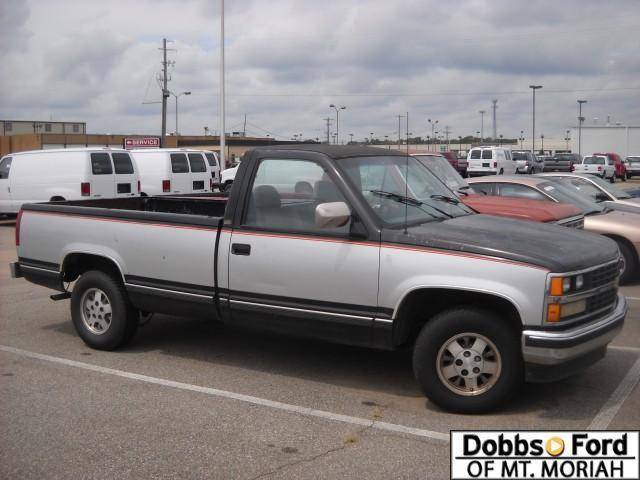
x=602, y=275
x=598, y=305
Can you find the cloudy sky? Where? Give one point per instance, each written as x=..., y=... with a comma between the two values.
x=287, y=60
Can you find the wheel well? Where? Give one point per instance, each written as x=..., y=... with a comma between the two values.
x=75, y=264
x=421, y=305
x=617, y=238
x=56, y=198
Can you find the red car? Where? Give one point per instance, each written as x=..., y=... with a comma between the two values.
x=621, y=170
x=460, y=164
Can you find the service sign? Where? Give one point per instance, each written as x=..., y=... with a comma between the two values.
x=141, y=142
x=520, y=455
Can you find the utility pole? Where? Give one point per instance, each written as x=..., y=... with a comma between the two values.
x=399, y=128
x=495, y=127
x=328, y=120
x=222, y=126
x=165, y=92
x=533, y=132
x=244, y=128
x=580, y=120
x=482, y=112
x=447, y=131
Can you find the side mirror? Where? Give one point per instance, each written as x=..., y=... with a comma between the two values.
x=332, y=215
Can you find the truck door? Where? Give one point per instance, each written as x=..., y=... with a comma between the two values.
x=5, y=191
x=102, y=183
x=200, y=175
x=286, y=272
x=181, y=177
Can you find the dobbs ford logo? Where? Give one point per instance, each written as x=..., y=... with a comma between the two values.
x=549, y=455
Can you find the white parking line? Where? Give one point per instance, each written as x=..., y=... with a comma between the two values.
x=609, y=410
x=306, y=411
x=633, y=298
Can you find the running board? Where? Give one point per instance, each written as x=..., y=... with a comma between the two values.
x=60, y=296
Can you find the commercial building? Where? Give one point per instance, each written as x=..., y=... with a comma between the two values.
x=620, y=139
x=21, y=127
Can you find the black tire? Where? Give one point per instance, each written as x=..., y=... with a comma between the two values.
x=613, y=178
x=437, y=333
x=501, y=172
x=623, y=177
x=630, y=267
x=227, y=187
x=124, y=318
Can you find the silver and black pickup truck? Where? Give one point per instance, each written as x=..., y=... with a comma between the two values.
x=323, y=241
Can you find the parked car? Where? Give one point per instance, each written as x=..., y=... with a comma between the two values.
x=562, y=162
x=598, y=190
x=214, y=166
x=227, y=178
x=484, y=302
x=599, y=165
x=168, y=171
x=459, y=164
x=527, y=162
x=632, y=165
x=622, y=227
x=618, y=164
x=65, y=174
x=522, y=209
x=490, y=161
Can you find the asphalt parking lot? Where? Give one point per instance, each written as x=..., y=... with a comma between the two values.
x=192, y=399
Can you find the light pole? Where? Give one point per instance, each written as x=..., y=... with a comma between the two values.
x=176, y=95
x=459, y=142
x=580, y=120
x=533, y=134
x=567, y=138
x=521, y=139
x=206, y=131
x=433, y=126
x=371, y=133
x=478, y=136
x=500, y=139
x=542, y=146
x=482, y=112
x=351, y=135
x=337, y=109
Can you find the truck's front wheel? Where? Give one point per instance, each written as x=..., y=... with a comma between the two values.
x=101, y=312
x=467, y=360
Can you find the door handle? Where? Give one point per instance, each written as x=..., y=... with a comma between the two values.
x=240, y=249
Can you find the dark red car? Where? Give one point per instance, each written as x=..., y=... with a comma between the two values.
x=460, y=164
x=621, y=170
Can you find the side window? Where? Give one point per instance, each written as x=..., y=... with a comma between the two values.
x=47, y=127
x=101, y=164
x=122, y=163
x=179, y=163
x=285, y=194
x=5, y=166
x=487, y=154
x=211, y=158
x=76, y=128
x=197, y=163
x=486, y=188
x=475, y=154
x=583, y=186
x=520, y=191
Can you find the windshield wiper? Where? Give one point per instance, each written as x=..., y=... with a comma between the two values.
x=397, y=197
x=446, y=199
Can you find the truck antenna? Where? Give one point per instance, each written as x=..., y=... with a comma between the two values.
x=406, y=179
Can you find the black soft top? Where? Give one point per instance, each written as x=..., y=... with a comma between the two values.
x=335, y=151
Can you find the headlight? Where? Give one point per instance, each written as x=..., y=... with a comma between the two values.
x=563, y=285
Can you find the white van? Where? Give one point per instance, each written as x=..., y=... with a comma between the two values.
x=490, y=161
x=168, y=171
x=65, y=174
x=214, y=165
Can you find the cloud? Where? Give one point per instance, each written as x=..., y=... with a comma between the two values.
x=288, y=60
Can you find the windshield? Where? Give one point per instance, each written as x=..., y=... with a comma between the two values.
x=612, y=189
x=442, y=169
x=633, y=159
x=519, y=155
x=593, y=160
x=564, y=194
x=381, y=182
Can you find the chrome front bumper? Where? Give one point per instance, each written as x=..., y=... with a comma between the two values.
x=550, y=347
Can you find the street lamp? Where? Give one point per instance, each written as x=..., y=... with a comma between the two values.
x=521, y=138
x=567, y=138
x=371, y=133
x=500, y=139
x=459, y=142
x=351, y=135
x=533, y=134
x=542, y=146
x=433, y=126
x=580, y=120
x=478, y=136
x=482, y=112
x=337, y=109
x=176, y=95
x=206, y=131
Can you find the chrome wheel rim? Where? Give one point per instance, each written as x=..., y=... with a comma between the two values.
x=96, y=311
x=469, y=364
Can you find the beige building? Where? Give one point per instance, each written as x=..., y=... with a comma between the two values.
x=22, y=127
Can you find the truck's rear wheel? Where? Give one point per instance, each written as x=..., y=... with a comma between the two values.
x=101, y=312
x=467, y=360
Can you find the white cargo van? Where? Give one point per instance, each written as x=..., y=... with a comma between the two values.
x=490, y=161
x=65, y=174
x=214, y=165
x=167, y=171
